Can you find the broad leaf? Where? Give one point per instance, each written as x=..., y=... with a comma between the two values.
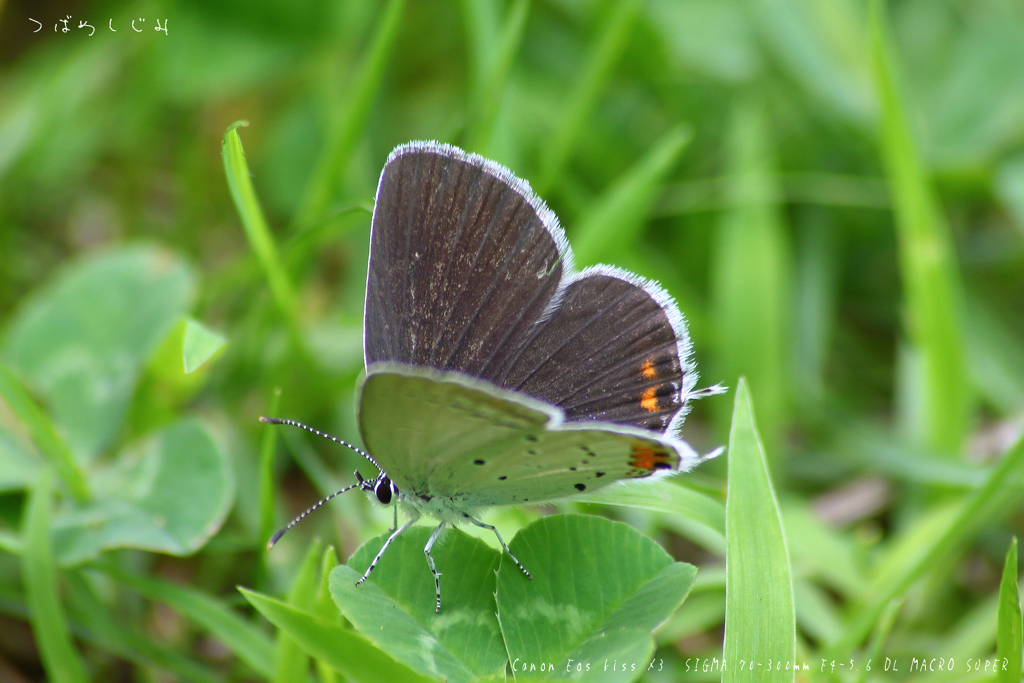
x=395, y=607
x=170, y=496
x=82, y=340
x=599, y=587
x=200, y=343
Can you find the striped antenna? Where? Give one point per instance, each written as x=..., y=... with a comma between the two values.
x=364, y=484
x=281, y=532
x=346, y=444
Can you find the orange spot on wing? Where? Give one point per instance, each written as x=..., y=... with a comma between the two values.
x=649, y=401
x=648, y=369
x=646, y=457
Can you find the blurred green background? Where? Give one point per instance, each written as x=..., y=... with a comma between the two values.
x=833, y=192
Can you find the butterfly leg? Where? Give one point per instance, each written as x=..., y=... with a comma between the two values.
x=488, y=526
x=430, y=560
x=385, y=547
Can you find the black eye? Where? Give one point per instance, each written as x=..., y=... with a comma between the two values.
x=383, y=490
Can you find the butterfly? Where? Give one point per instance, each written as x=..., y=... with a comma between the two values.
x=496, y=373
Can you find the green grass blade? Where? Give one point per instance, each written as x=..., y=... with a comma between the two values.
x=39, y=572
x=99, y=627
x=826, y=189
x=326, y=610
x=347, y=128
x=615, y=221
x=244, y=640
x=932, y=290
x=996, y=364
x=51, y=446
x=821, y=46
x=704, y=610
x=10, y=543
x=985, y=505
x=814, y=316
x=973, y=632
x=199, y=344
x=268, y=482
x=480, y=21
x=878, y=638
x=255, y=225
x=485, y=106
x=608, y=47
x=751, y=275
x=290, y=662
x=345, y=650
x=822, y=551
x=816, y=613
x=664, y=496
x=1008, y=635
x=760, y=620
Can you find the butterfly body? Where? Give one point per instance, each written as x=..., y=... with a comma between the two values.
x=495, y=373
